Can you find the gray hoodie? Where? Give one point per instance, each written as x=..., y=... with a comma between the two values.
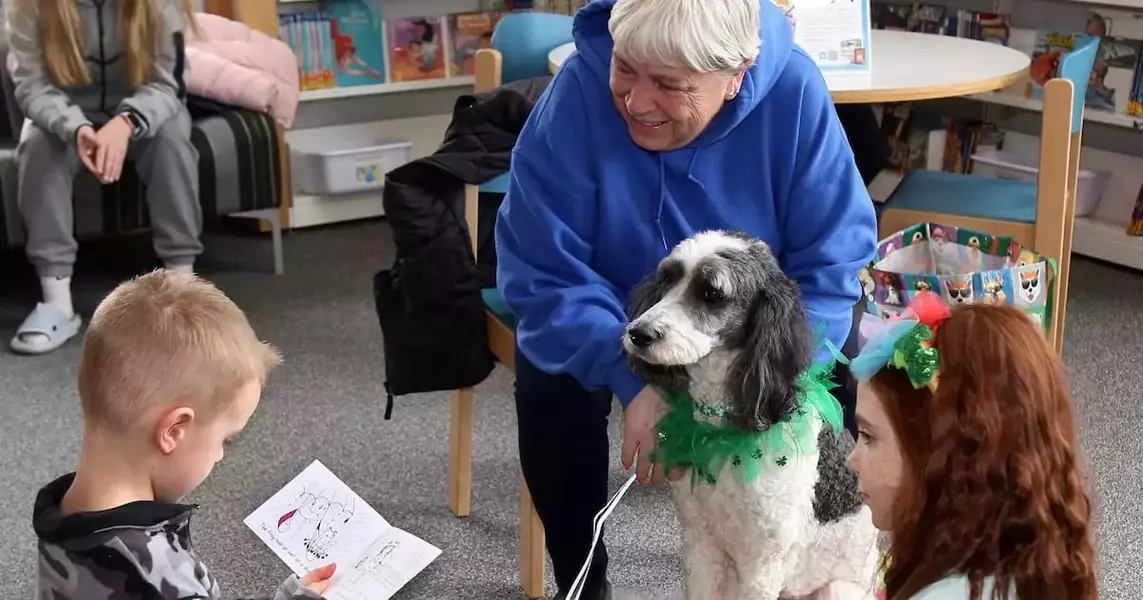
x=63, y=110
x=136, y=551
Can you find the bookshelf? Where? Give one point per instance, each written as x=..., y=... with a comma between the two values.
x=1107, y=241
x=1112, y=141
x=385, y=88
x=1031, y=104
x=419, y=111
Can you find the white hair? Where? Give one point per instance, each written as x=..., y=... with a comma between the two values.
x=701, y=35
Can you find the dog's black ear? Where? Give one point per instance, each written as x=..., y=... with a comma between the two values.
x=775, y=351
x=645, y=295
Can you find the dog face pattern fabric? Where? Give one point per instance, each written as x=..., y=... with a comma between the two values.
x=960, y=265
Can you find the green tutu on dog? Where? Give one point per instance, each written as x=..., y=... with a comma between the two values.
x=705, y=447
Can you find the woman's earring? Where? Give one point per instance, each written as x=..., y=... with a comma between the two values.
x=730, y=96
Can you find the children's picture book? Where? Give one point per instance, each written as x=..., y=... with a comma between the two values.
x=357, y=46
x=1136, y=225
x=1112, y=76
x=316, y=519
x=1135, y=99
x=470, y=32
x=308, y=35
x=416, y=49
x=1050, y=47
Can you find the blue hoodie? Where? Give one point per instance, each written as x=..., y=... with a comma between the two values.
x=589, y=214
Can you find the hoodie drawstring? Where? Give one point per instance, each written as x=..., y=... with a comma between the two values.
x=658, y=218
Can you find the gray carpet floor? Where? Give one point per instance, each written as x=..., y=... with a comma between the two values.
x=327, y=402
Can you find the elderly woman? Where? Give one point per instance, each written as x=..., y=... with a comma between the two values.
x=674, y=116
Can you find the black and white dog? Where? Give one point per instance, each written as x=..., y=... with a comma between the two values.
x=720, y=319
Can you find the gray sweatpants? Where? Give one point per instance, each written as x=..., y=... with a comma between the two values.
x=167, y=162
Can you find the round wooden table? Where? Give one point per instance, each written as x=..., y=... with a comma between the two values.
x=913, y=66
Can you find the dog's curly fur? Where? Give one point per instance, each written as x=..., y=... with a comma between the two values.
x=720, y=320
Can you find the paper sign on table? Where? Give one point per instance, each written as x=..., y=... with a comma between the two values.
x=316, y=519
x=836, y=34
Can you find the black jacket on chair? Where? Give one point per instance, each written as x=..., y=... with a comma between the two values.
x=429, y=303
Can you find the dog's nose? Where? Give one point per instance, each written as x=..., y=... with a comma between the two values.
x=641, y=337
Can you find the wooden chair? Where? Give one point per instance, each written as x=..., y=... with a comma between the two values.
x=1039, y=215
x=520, y=47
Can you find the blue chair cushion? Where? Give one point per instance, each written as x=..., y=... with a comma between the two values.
x=495, y=303
x=498, y=184
x=965, y=196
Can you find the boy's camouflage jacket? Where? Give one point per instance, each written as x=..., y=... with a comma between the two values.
x=138, y=550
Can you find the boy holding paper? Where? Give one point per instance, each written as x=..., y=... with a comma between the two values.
x=171, y=372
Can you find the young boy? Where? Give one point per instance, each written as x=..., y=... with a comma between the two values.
x=171, y=371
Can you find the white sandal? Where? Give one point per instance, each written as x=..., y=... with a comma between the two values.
x=49, y=321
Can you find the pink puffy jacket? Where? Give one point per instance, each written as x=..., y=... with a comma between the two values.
x=230, y=62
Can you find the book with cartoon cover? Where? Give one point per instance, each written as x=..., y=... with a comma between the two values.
x=469, y=32
x=1111, y=82
x=1051, y=46
x=357, y=44
x=1136, y=225
x=416, y=48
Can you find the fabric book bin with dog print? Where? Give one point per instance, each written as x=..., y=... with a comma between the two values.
x=962, y=266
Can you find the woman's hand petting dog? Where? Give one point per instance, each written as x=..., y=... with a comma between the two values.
x=640, y=421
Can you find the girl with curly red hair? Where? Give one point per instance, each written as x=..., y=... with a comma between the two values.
x=966, y=456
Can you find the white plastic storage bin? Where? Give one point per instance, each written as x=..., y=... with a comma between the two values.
x=345, y=165
x=1009, y=165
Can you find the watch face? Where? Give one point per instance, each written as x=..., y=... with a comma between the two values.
x=133, y=119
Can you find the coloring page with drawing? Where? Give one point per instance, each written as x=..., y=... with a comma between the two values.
x=316, y=519
x=389, y=563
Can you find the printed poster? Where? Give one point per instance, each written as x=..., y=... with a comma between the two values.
x=835, y=33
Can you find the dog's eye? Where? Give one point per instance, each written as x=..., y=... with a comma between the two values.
x=712, y=294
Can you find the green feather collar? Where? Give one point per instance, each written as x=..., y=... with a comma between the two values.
x=706, y=448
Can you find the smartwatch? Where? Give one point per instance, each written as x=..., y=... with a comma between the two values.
x=137, y=125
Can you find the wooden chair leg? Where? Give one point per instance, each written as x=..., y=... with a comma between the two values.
x=531, y=545
x=460, y=453
x=1059, y=311
x=285, y=180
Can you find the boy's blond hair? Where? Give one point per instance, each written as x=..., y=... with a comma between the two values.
x=167, y=337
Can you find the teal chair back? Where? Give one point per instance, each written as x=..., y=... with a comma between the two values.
x=524, y=41
x=1076, y=68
